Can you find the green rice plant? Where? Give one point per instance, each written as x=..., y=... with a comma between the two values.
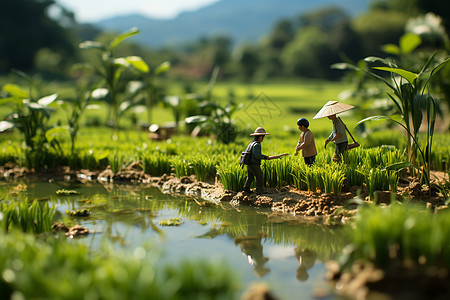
x=181, y=167
x=115, y=162
x=108, y=273
x=34, y=218
x=284, y=168
x=331, y=180
x=92, y=160
x=298, y=171
x=354, y=176
x=311, y=177
x=232, y=176
x=399, y=232
x=270, y=173
x=376, y=180
x=156, y=164
x=393, y=181
x=204, y=167
x=408, y=90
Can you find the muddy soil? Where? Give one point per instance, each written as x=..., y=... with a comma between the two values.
x=287, y=200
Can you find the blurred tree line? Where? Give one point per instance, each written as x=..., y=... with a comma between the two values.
x=42, y=36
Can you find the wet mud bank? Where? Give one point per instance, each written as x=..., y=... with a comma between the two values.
x=397, y=282
x=287, y=199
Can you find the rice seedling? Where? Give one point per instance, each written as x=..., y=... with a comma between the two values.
x=181, y=167
x=298, y=171
x=204, y=167
x=270, y=173
x=34, y=218
x=354, y=176
x=400, y=232
x=331, y=180
x=115, y=162
x=156, y=164
x=310, y=178
x=121, y=274
x=376, y=180
x=232, y=176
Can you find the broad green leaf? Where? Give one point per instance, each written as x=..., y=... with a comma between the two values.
x=121, y=62
x=172, y=100
x=14, y=101
x=378, y=118
x=344, y=66
x=92, y=45
x=138, y=63
x=409, y=42
x=55, y=132
x=123, y=36
x=391, y=49
x=440, y=66
x=6, y=125
x=410, y=76
x=45, y=101
x=99, y=93
x=164, y=67
x=372, y=59
x=15, y=91
x=195, y=119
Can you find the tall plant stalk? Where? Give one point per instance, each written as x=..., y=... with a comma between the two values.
x=407, y=90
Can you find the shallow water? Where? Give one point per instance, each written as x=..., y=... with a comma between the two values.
x=286, y=253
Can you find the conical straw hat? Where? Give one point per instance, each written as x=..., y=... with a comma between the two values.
x=332, y=108
x=259, y=131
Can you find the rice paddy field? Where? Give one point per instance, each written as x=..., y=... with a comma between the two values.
x=377, y=165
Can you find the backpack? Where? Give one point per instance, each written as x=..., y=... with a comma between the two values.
x=246, y=156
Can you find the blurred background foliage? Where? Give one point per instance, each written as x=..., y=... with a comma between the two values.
x=35, y=40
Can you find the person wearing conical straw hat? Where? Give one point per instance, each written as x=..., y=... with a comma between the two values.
x=338, y=134
x=254, y=167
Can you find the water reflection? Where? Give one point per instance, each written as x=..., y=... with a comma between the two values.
x=252, y=248
x=130, y=215
x=306, y=259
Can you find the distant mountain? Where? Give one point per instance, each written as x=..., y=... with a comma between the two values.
x=242, y=20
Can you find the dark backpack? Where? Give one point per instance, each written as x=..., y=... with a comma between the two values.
x=246, y=156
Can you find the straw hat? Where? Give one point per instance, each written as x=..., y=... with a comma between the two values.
x=260, y=131
x=332, y=108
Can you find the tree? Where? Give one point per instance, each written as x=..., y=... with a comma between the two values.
x=249, y=61
x=27, y=28
x=305, y=55
x=282, y=34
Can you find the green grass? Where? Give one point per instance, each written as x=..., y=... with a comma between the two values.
x=400, y=232
x=55, y=269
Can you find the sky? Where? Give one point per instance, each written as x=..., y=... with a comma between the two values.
x=94, y=10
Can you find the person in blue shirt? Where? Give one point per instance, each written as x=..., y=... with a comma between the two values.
x=254, y=167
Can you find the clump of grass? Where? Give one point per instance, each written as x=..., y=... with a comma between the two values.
x=181, y=167
x=34, y=218
x=310, y=178
x=73, y=271
x=400, y=232
x=232, y=176
x=376, y=180
x=354, y=175
x=156, y=164
x=65, y=192
x=115, y=162
x=204, y=167
x=332, y=180
x=170, y=222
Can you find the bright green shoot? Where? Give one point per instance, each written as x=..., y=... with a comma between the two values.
x=111, y=69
